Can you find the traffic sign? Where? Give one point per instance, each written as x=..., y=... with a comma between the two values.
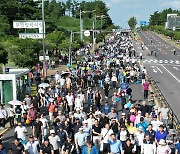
x=27, y=24
x=41, y=58
x=143, y=23
x=31, y=35
x=87, y=33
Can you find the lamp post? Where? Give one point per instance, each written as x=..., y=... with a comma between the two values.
x=43, y=28
x=81, y=23
x=102, y=16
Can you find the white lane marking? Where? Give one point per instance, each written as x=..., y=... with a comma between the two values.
x=159, y=69
x=176, y=68
x=156, y=61
x=154, y=70
x=171, y=61
x=160, y=61
x=171, y=73
x=166, y=61
x=177, y=61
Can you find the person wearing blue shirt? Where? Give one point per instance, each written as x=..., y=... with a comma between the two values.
x=161, y=134
x=142, y=124
x=106, y=108
x=115, y=145
x=80, y=139
x=178, y=147
x=2, y=149
x=90, y=149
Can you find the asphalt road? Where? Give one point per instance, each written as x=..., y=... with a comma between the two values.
x=137, y=95
x=164, y=68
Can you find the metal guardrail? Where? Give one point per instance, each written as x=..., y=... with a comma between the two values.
x=174, y=121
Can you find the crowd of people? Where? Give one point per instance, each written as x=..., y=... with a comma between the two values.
x=90, y=110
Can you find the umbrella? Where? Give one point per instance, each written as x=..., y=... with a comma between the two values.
x=15, y=102
x=65, y=74
x=44, y=85
x=124, y=86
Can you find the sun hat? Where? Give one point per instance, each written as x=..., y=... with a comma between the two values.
x=162, y=142
x=85, y=121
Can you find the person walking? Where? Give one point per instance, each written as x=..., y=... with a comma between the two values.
x=164, y=114
x=90, y=149
x=38, y=129
x=148, y=146
x=11, y=115
x=46, y=147
x=16, y=147
x=146, y=89
x=54, y=141
x=115, y=145
x=20, y=133
x=163, y=148
x=32, y=146
x=97, y=99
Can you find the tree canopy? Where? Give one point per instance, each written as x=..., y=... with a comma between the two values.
x=60, y=19
x=132, y=22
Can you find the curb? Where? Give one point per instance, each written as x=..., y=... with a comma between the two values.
x=3, y=131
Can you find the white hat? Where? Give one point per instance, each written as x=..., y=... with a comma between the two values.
x=123, y=114
x=85, y=121
x=162, y=142
x=80, y=128
x=52, y=131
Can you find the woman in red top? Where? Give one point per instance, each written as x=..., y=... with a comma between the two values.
x=51, y=110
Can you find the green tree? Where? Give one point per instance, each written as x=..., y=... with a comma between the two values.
x=55, y=38
x=3, y=55
x=26, y=53
x=132, y=22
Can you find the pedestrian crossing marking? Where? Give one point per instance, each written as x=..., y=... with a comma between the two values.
x=160, y=61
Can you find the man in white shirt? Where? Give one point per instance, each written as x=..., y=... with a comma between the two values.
x=139, y=135
x=45, y=126
x=70, y=101
x=78, y=101
x=32, y=146
x=54, y=141
x=62, y=82
x=105, y=135
x=21, y=131
x=57, y=76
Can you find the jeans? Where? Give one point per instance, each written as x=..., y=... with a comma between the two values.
x=11, y=121
x=165, y=122
x=90, y=102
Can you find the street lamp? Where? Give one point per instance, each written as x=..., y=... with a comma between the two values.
x=43, y=28
x=81, y=23
x=102, y=17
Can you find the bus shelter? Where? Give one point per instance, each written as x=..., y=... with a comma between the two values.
x=13, y=85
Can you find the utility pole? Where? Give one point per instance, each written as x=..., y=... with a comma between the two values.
x=70, y=44
x=93, y=36
x=44, y=54
x=81, y=30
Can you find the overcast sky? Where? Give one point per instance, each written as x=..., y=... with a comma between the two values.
x=122, y=10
